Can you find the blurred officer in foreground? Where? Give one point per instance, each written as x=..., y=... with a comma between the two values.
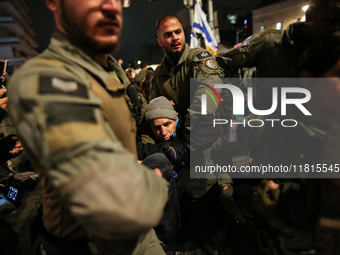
x=69, y=108
x=276, y=53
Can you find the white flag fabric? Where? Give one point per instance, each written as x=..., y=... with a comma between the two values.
x=193, y=41
x=201, y=26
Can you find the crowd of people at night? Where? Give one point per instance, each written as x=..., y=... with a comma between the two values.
x=114, y=149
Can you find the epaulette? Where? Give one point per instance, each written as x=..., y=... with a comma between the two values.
x=204, y=54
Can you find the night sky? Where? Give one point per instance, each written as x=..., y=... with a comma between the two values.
x=139, y=22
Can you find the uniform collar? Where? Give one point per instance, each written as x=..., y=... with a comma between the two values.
x=184, y=55
x=165, y=68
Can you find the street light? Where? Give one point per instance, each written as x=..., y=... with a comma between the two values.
x=305, y=8
x=126, y=3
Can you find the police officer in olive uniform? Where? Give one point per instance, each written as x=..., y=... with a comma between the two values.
x=179, y=65
x=172, y=77
x=172, y=80
x=276, y=53
x=293, y=206
x=69, y=108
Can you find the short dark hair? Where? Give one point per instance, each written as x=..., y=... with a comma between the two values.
x=143, y=64
x=163, y=19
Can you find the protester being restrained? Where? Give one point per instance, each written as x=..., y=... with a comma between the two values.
x=163, y=122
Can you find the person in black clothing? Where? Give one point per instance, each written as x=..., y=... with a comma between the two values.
x=10, y=146
x=131, y=74
x=142, y=74
x=164, y=122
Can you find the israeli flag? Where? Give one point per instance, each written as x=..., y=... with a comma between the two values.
x=193, y=41
x=201, y=26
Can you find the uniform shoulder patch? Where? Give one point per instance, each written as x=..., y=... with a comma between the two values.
x=58, y=113
x=270, y=31
x=247, y=41
x=211, y=64
x=204, y=54
x=68, y=124
x=55, y=85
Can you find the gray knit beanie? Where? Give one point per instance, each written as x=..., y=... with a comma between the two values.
x=160, y=107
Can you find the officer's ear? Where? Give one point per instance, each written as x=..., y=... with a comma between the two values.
x=52, y=4
x=159, y=42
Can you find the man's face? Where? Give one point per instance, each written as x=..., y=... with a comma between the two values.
x=95, y=23
x=325, y=18
x=163, y=128
x=171, y=37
